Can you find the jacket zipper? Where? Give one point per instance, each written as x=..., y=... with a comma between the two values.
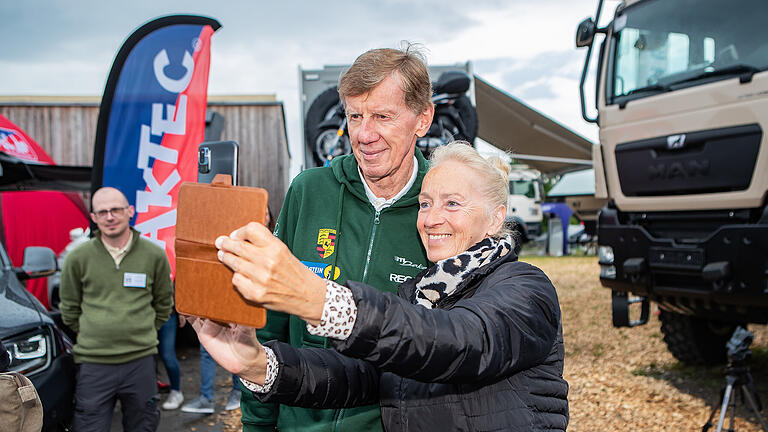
x=339, y=416
x=370, y=245
x=376, y=221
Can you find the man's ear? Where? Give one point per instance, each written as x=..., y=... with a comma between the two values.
x=93, y=217
x=425, y=120
x=131, y=211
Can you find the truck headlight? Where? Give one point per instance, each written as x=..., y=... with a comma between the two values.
x=29, y=352
x=605, y=254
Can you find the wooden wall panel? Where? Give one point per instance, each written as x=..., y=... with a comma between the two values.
x=65, y=132
x=259, y=130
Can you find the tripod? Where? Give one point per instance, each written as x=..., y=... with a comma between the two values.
x=737, y=377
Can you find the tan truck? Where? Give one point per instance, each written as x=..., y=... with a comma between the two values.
x=681, y=101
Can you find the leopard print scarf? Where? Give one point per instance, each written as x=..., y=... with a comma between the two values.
x=442, y=279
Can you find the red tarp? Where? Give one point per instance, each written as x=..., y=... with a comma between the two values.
x=40, y=218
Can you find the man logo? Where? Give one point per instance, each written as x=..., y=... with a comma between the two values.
x=676, y=141
x=326, y=240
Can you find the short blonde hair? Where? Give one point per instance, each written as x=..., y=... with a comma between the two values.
x=494, y=170
x=372, y=67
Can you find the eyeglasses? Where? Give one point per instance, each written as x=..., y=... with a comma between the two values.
x=115, y=212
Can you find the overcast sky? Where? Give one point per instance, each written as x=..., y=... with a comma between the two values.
x=525, y=48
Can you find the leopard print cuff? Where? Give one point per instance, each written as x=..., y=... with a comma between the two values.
x=339, y=313
x=272, y=368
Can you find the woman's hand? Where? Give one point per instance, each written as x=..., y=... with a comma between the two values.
x=267, y=273
x=234, y=347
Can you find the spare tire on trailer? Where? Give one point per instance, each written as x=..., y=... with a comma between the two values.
x=468, y=115
x=694, y=340
x=324, y=108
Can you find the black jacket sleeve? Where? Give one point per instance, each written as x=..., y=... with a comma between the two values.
x=510, y=324
x=321, y=378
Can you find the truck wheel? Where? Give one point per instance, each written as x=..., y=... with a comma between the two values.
x=468, y=115
x=324, y=108
x=693, y=340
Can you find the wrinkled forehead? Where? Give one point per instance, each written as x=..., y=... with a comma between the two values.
x=388, y=94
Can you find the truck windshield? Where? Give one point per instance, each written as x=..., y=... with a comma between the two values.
x=658, y=46
x=522, y=187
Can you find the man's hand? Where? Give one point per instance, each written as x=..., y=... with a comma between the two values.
x=234, y=347
x=267, y=273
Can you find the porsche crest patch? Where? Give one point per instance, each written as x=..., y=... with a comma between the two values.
x=326, y=241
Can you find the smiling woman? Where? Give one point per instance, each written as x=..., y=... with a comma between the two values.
x=460, y=203
x=478, y=334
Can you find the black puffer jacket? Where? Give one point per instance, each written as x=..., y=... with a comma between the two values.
x=490, y=357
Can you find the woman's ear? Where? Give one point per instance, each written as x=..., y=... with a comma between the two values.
x=497, y=220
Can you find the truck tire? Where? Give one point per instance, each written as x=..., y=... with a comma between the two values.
x=468, y=115
x=322, y=109
x=694, y=340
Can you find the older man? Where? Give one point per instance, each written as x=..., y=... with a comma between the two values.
x=355, y=219
x=115, y=293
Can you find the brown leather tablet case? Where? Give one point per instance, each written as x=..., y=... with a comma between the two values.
x=203, y=284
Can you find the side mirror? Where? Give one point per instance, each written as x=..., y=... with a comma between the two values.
x=585, y=33
x=38, y=262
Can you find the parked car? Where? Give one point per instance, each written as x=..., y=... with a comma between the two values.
x=38, y=347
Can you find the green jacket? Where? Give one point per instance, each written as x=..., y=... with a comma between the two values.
x=327, y=221
x=115, y=311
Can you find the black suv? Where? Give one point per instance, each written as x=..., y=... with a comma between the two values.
x=38, y=347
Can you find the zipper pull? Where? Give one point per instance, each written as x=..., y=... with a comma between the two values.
x=376, y=218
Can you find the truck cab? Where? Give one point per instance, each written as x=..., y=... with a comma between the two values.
x=682, y=107
x=525, y=197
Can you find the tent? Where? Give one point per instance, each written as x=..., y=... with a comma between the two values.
x=35, y=218
x=540, y=142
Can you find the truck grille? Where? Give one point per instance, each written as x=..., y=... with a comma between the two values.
x=716, y=160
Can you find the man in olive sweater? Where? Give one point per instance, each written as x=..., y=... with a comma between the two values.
x=115, y=293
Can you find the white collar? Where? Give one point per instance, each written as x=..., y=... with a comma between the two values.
x=381, y=203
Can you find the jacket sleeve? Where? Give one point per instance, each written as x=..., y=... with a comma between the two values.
x=71, y=293
x=258, y=416
x=321, y=378
x=510, y=324
x=162, y=293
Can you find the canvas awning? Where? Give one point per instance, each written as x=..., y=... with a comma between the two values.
x=510, y=125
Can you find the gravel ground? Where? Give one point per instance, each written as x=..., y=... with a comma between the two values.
x=623, y=379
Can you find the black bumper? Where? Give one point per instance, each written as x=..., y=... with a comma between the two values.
x=56, y=387
x=722, y=276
